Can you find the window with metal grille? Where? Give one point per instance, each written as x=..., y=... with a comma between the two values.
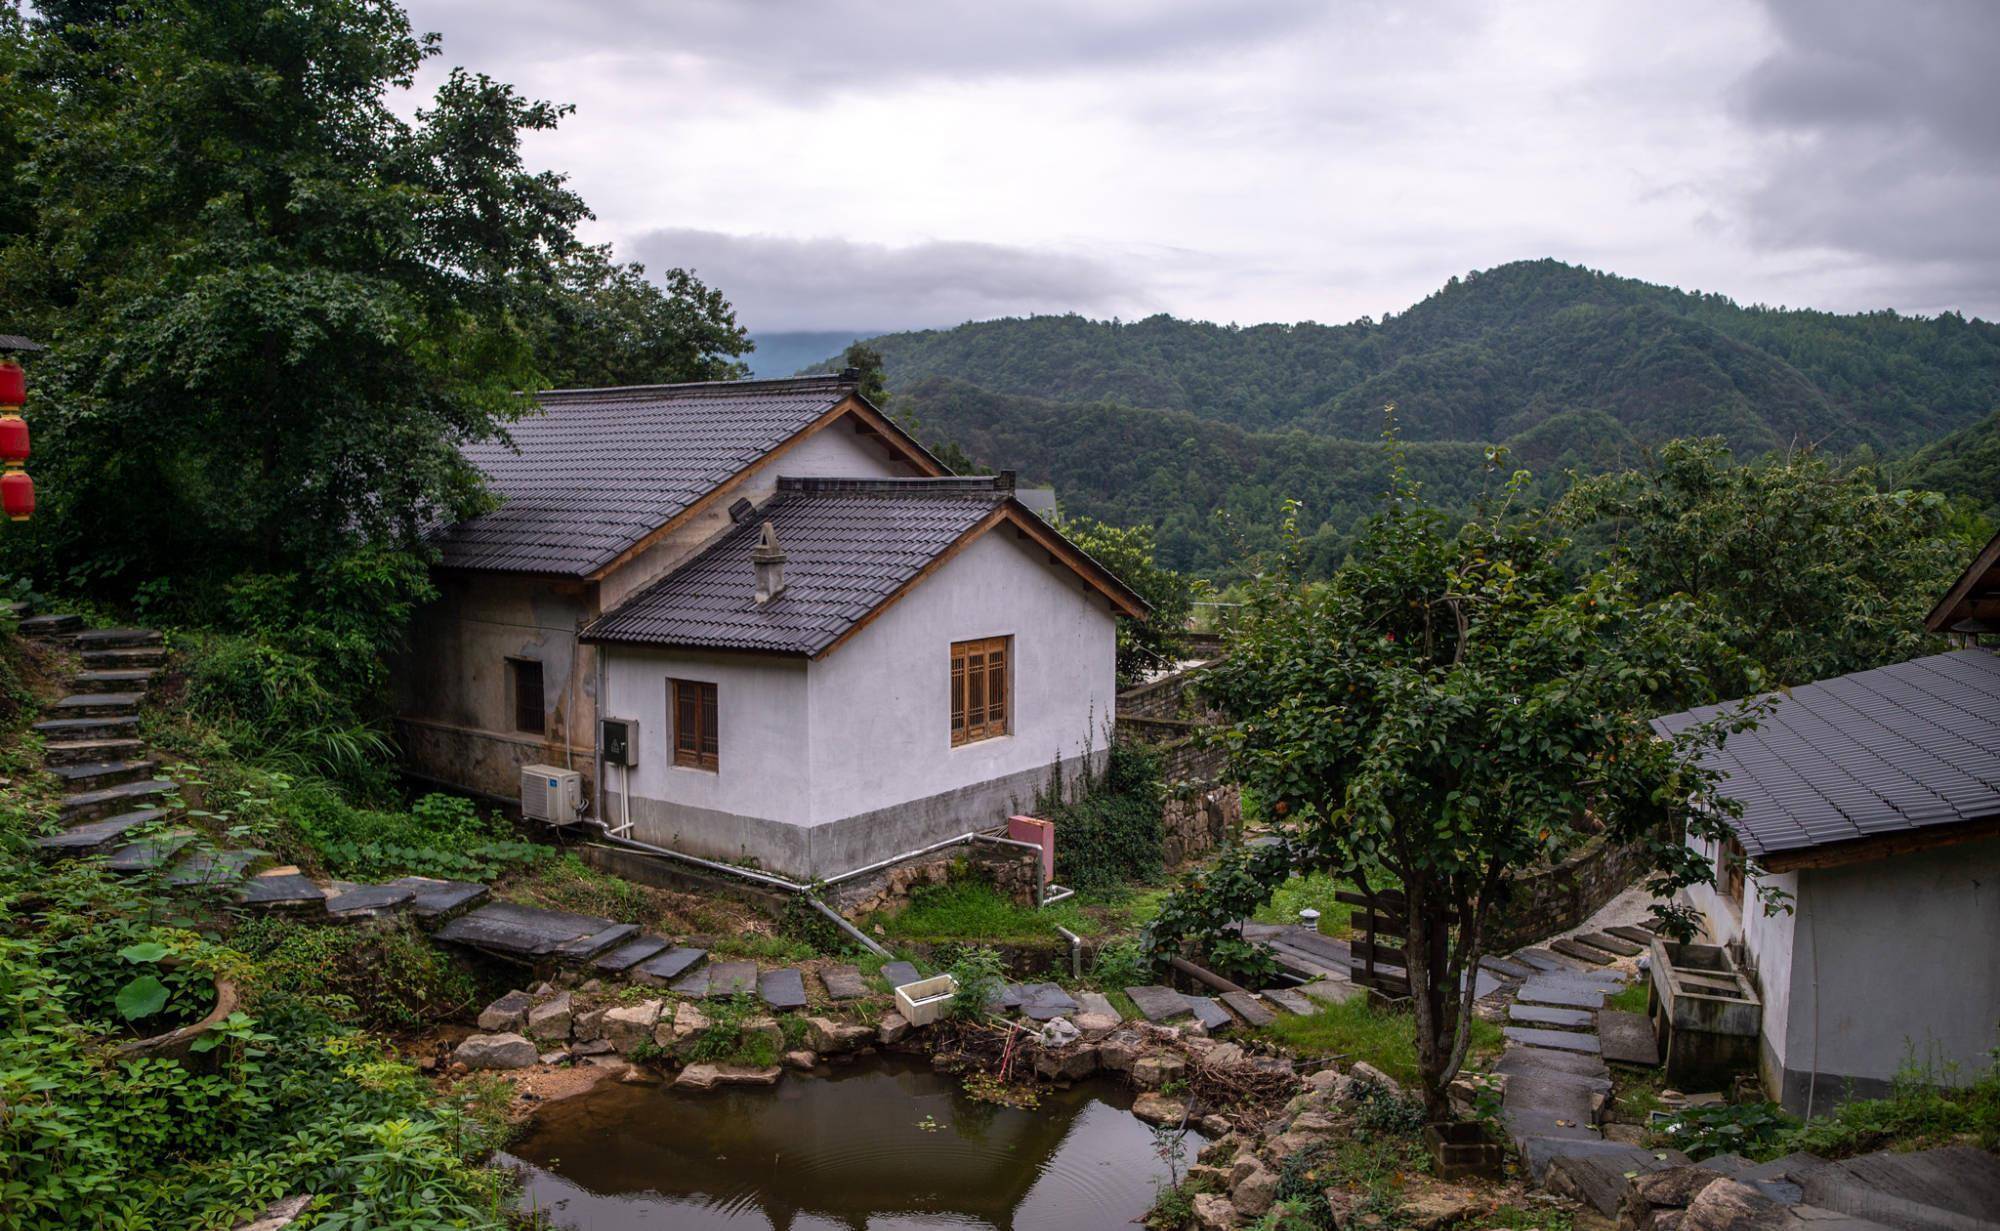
x=697, y=743
x=982, y=689
x=525, y=682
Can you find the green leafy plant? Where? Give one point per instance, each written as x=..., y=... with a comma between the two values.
x=1201, y=915
x=1109, y=821
x=1726, y=1128
x=979, y=974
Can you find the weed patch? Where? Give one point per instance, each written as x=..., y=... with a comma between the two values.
x=1359, y=1029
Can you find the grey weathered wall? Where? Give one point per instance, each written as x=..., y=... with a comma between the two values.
x=1203, y=807
x=1555, y=898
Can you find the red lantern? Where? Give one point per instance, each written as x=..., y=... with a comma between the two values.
x=17, y=494
x=13, y=439
x=13, y=383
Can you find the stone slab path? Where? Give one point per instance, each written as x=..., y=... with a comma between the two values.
x=1159, y=1004
x=782, y=989
x=1099, y=1004
x=1559, y=1040
x=1627, y=1038
x=623, y=957
x=663, y=968
x=1560, y=1019
x=1043, y=1002
x=899, y=973
x=1561, y=993
x=844, y=982
x=1209, y=1013
x=1249, y=1008
x=1291, y=1000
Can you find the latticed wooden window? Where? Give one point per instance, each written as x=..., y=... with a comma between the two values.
x=697, y=744
x=982, y=689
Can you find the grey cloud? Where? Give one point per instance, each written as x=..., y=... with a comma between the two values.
x=780, y=282
x=1883, y=141
x=806, y=48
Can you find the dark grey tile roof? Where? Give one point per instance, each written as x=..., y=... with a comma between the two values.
x=850, y=543
x=599, y=469
x=1884, y=751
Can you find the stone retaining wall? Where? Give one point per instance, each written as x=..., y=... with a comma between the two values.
x=1202, y=808
x=1553, y=899
x=1010, y=870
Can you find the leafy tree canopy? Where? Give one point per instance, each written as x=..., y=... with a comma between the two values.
x=1156, y=642
x=1803, y=566
x=1451, y=708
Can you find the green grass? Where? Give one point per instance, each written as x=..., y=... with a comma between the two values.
x=973, y=911
x=1631, y=999
x=1918, y=1113
x=1359, y=1029
x=1314, y=889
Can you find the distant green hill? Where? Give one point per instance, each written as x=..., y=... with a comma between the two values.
x=1965, y=463
x=1565, y=366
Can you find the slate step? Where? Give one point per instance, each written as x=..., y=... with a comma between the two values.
x=51, y=626
x=109, y=679
x=782, y=990
x=82, y=776
x=1210, y=1014
x=1543, y=960
x=92, y=836
x=1159, y=1004
x=281, y=891
x=1627, y=1038
x=720, y=979
x=899, y=973
x=1507, y=968
x=136, y=656
x=118, y=638
x=145, y=854
x=1569, y=1065
x=1562, y=993
x=844, y=982
x=663, y=968
x=1582, y=952
x=1246, y=1006
x=1560, y=1019
x=1044, y=1002
x=435, y=899
x=630, y=954
x=1612, y=944
x=353, y=902
x=97, y=705
x=88, y=728
x=1638, y=936
x=1540, y=1152
x=1095, y=1003
x=1557, y=1040
x=507, y=929
x=213, y=867
x=1291, y=1000
x=591, y=944
x=110, y=800
x=80, y=751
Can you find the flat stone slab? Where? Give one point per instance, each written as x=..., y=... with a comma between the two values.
x=844, y=982
x=147, y=853
x=663, y=968
x=213, y=867
x=1507, y=967
x=731, y=979
x=1627, y=1038
x=1613, y=944
x=1518, y=1060
x=630, y=954
x=1543, y=960
x=1246, y=1006
x=1043, y=1002
x=370, y=899
x=1560, y=993
x=284, y=889
x=1547, y=1107
x=1559, y=1040
x=1582, y=952
x=1291, y=1000
x=1923, y=1185
x=1542, y=1015
x=94, y=700
x=899, y=973
x=782, y=989
x=93, y=834
x=524, y=931
x=433, y=898
x=1601, y=1179
x=1333, y=991
x=1638, y=936
x=1539, y=1152
x=1098, y=1004
x=588, y=946
x=1209, y=1013
x=1159, y=1004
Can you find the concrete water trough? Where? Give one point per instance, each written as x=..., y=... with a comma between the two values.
x=1706, y=1014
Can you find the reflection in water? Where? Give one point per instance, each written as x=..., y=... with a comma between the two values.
x=847, y=1151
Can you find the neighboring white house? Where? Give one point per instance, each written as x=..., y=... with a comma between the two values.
x=833, y=652
x=1873, y=802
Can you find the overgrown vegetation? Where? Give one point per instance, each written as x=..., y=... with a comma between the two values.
x=1361, y=1029
x=1109, y=821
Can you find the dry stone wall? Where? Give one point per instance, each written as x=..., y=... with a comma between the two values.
x=1202, y=806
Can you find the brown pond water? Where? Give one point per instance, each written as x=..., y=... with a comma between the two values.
x=886, y=1145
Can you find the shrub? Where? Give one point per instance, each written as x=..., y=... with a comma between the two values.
x=980, y=975
x=441, y=835
x=1727, y=1128
x=391, y=980
x=1920, y=1111
x=1110, y=831
x=1202, y=913
x=1122, y=963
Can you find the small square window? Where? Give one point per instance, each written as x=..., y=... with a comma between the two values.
x=982, y=689
x=697, y=742
x=525, y=683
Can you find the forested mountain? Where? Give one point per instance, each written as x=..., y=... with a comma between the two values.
x=786, y=351
x=1965, y=463
x=1168, y=420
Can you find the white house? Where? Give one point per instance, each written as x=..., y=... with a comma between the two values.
x=1873, y=802
x=833, y=652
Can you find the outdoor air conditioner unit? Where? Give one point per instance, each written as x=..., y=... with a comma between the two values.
x=551, y=793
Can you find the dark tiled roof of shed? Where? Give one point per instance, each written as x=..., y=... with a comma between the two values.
x=851, y=543
x=599, y=469
x=1898, y=748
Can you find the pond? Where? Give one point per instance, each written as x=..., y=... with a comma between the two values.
x=886, y=1145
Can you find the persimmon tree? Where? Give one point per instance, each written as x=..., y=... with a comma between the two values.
x=1451, y=708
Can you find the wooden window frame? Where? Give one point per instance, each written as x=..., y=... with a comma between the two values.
x=973, y=660
x=695, y=738
x=516, y=667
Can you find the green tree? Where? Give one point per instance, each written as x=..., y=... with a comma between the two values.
x=1157, y=641
x=607, y=324
x=1450, y=709
x=1803, y=565
x=867, y=363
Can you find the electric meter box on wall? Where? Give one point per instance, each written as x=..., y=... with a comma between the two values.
x=618, y=741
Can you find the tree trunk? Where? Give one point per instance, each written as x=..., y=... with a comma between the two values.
x=1426, y=946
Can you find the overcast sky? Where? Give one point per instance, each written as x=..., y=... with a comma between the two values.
x=847, y=164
